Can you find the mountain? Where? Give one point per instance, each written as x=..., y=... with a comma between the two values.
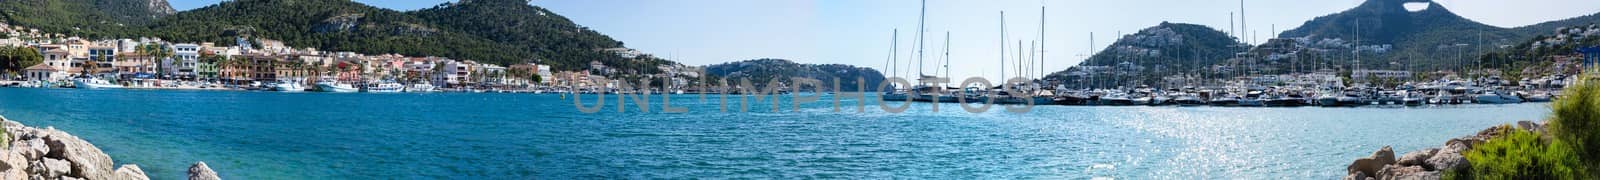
x=90, y=18
x=760, y=71
x=560, y=41
x=492, y=31
x=1161, y=50
x=1433, y=38
x=330, y=25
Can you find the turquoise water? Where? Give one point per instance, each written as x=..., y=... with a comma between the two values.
x=265, y=135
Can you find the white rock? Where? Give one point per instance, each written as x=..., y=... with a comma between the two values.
x=56, y=167
x=130, y=172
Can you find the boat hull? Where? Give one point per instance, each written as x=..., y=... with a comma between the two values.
x=328, y=87
x=81, y=84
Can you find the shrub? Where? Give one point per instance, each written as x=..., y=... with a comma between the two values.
x=1521, y=154
x=1576, y=117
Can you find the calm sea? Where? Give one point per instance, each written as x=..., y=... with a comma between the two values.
x=267, y=135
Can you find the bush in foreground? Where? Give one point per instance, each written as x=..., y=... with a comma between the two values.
x=1576, y=118
x=1521, y=154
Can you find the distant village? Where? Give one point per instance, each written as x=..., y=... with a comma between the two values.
x=261, y=64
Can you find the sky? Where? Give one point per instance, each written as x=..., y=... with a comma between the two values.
x=859, y=32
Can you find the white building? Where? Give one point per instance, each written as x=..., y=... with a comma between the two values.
x=185, y=58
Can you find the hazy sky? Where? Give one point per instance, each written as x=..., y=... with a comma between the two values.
x=857, y=32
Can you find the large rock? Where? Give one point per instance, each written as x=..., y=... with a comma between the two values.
x=56, y=167
x=130, y=172
x=1356, y=176
x=48, y=153
x=87, y=161
x=1449, y=157
x=1406, y=173
x=13, y=165
x=1417, y=158
x=1373, y=163
x=199, y=171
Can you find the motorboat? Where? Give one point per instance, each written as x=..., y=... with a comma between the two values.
x=334, y=86
x=420, y=87
x=288, y=86
x=1495, y=97
x=1189, y=100
x=94, y=83
x=384, y=87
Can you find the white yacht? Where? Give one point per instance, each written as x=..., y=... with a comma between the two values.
x=335, y=86
x=1494, y=97
x=94, y=83
x=385, y=87
x=288, y=86
x=420, y=87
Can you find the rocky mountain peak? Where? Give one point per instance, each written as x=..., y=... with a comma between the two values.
x=161, y=7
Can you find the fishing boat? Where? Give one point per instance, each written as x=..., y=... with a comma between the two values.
x=94, y=83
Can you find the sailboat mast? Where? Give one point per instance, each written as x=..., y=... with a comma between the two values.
x=920, y=31
x=947, y=54
x=1041, y=45
x=1002, y=47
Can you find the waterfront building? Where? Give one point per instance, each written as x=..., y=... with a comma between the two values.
x=58, y=59
x=262, y=67
x=491, y=73
x=134, y=65
x=457, y=73
x=44, y=72
x=185, y=60
x=102, y=59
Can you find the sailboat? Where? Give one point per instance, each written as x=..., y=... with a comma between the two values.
x=894, y=93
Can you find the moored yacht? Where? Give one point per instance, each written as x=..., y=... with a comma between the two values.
x=335, y=86
x=288, y=86
x=383, y=87
x=425, y=87
x=94, y=83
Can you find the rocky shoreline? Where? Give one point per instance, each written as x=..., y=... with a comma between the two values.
x=47, y=153
x=1428, y=163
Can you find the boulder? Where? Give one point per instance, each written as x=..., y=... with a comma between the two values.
x=87, y=161
x=31, y=148
x=1406, y=172
x=1530, y=126
x=130, y=172
x=1417, y=158
x=56, y=167
x=13, y=165
x=199, y=171
x=1449, y=157
x=1355, y=176
x=1373, y=163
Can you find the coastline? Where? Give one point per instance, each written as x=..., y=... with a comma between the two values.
x=49, y=153
x=1428, y=163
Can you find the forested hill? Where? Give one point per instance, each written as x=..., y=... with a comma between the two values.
x=1167, y=48
x=93, y=18
x=492, y=31
x=760, y=71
